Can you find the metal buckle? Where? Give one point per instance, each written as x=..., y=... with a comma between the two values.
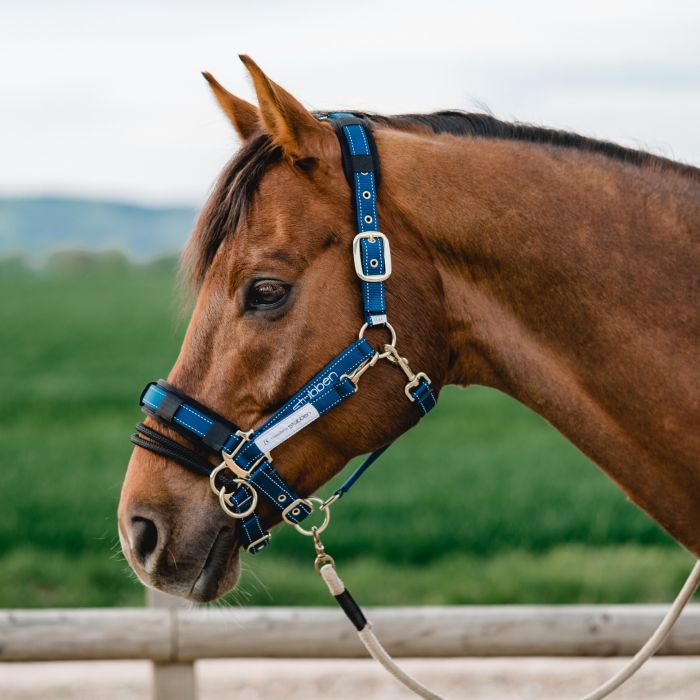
x=223, y=495
x=414, y=383
x=229, y=459
x=238, y=470
x=245, y=434
x=357, y=256
x=241, y=477
x=295, y=504
x=265, y=538
x=355, y=375
x=414, y=379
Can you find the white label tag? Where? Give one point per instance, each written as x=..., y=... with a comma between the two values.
x=291, y=425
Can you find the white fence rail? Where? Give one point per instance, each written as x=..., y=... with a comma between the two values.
x=172, y=636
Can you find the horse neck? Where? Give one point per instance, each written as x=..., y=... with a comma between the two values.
x=565, y=273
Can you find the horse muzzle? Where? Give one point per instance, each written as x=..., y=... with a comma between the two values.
x=194, y=560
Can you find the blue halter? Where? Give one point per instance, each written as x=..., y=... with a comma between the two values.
x=246, y=454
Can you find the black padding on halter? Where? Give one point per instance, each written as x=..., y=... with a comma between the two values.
x=356, y=163
x=216, y=437
x=346, y=121
x=362, y=164
x=168, y=407
x=219, y=423
x=195, y=404
x=352, y=610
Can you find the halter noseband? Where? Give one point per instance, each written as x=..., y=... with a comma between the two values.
x=246, y=472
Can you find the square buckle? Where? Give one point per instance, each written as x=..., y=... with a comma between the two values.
x=261, y=540
x=295, y=504
x=357, y=256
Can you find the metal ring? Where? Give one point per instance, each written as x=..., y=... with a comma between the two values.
x=387, y=325
x=366, y=194
x=223, y=495
x=212, y=477
x=326, y=519
x=368, y=219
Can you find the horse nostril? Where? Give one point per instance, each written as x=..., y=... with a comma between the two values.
x=144, y=538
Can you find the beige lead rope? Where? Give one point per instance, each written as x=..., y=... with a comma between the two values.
x=370, y=641
x=377, y=651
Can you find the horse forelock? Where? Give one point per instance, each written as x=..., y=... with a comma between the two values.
x=227, y=205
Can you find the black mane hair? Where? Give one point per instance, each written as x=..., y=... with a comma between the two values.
x=480, y=125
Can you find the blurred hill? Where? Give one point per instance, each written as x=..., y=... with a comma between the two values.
x=36, y=227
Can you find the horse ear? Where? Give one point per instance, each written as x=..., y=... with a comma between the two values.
x=244, y=116
x=289, y=123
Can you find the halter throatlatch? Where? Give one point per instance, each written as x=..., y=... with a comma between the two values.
x=246, y=473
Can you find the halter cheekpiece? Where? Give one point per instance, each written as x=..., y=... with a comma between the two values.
x=246, y=473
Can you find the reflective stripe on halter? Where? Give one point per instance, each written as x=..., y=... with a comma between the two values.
x=246, y=472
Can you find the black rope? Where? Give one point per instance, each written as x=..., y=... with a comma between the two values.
x=154, y=441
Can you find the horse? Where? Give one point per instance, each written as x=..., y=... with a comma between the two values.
x=556, y=268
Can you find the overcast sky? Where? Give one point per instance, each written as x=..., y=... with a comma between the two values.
x=105, y=99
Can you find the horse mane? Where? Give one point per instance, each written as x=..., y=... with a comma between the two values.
x=479, y=124
x=235, y=187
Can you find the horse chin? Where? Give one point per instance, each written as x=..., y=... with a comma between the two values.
x=217, y=573
x=221, y=569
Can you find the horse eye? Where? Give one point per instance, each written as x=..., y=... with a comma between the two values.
x=266, y=294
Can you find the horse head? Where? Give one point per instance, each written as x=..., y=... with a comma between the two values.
x=277, y=298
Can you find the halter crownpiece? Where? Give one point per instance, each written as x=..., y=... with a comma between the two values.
x=246, y=472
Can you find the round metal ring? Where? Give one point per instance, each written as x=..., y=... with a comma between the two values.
x=366, y=194
x=214, y=474
x=223, y=495
x=387, y=325
x=320, y=528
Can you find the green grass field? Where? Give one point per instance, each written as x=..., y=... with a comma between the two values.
x=509, y=512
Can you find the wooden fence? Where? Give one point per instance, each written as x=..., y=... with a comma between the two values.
x=174, y=637
x=177, y=635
